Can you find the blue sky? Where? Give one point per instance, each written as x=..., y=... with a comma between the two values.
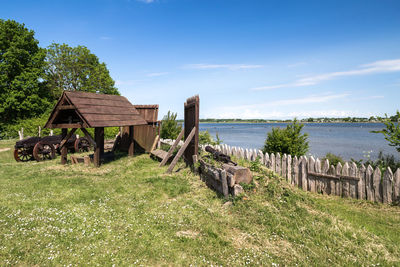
x=246, y=59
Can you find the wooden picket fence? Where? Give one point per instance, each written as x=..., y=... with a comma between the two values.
x=319, y=176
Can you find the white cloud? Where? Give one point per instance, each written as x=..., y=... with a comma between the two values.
x=222, y=66
x=371, y=68
x=298, y=64
x=156, y=74
x=146, y=1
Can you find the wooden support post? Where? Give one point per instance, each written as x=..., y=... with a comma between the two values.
x=172, y=148
x=131, y=149
x=181, y=150
x=64, y=133
x=99, y=139
x=191, y=120
x=66, y=138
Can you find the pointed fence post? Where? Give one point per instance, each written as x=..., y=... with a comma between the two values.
x=338, y=182
x=267, y=163
x=295, y=171
x=345, y=181
x=396, y=187
x=332, y=182
x=377, y=184
x=369, y=188
x=289, y=169
x=272, y=158
x=311, y=180
x=387, y=186
x=284, y=166
x=353, y=183
x=278, y=164
x=303, y=173
x=361, y=183
x=318, y=180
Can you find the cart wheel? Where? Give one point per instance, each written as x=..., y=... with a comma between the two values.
x=82, y=145
x=23, y=154
x=44, y=151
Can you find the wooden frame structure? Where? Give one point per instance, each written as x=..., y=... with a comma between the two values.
x=81, y=110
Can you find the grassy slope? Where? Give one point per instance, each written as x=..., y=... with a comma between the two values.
x=128, y=212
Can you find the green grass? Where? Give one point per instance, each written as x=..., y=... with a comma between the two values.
x=129, y=212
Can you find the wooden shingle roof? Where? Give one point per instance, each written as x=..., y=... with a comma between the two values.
x=88, y=110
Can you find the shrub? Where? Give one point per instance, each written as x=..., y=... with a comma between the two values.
x=170, y=128
x=392, y=130
x=333, y=159
x=205, y=138
x=289, y=140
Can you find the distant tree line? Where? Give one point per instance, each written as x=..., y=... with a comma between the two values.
x=32, y=78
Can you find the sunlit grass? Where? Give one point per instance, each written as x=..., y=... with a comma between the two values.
x=129, y=212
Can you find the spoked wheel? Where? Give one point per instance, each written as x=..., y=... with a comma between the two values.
x=44, y=151
x=82, y=145
x=23, y=154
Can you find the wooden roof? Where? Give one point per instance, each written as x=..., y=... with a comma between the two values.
x=148, y=112
x=89, y=110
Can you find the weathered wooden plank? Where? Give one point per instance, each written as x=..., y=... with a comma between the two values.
x=284, y=166
x=369, y=188
x=289, y=169
x=361, y=183
x=181, y=150
x=172, y=148
x=99, y=139
x=272, y=159
x=396, y=187
x=116, y=123
x=387, y=186
x=345, y=182
x=332, y=183
x=295, y=171
x=311, y=179
x=303, y=174
x=278, y=163
x=338, y=183
x=353, y=172
x=267, y=161
x=318, y=180
x=377, y=185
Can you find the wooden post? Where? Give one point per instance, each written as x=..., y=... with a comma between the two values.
x=172, y=148
x=345, y=182
x=396, y=187
x=377, y=184
x=191, y=119
x=361, y=183
x=131, y=148
x=39, y=131
x=224, y=183
x=99, y=139
x=387, y=186
x=181, y=150
x=352, y=183
x=64, y=151
x=369, y=189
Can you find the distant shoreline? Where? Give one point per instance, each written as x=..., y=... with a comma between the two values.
x=262, y=122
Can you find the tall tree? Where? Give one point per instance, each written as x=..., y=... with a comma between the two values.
x=23, y=93
x=77, y=69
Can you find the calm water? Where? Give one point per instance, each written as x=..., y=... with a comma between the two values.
x=350, y=140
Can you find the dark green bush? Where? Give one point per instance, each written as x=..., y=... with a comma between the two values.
x=205, y=138
x=289, y=140
x=170, y=128
x=333, y=159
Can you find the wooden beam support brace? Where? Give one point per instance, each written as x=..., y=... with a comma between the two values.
x=89, y=137
x=66, y=138
x=172, y=148
x=181, y=150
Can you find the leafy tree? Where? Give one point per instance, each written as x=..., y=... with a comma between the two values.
x=289, y=140
x=77, y=69
x=170, y=128
x=23, y=93
x=392, y=131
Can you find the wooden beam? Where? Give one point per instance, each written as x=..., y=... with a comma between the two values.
x=89, y=137
x=66, y=125
x=172, y=148
x=131, y=148
x=66, y=138
x=64, y=149
x=155, y=143
x=99, y=137
x=65, y=107
x=181, y=150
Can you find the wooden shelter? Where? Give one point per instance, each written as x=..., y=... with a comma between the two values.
x=90, y=110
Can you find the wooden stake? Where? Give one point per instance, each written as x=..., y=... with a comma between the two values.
x=172, y=148
x=181, y=150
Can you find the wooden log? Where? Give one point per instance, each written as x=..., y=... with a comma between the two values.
x=311, y=180
x=338, y=183
x=272, y=159
x=181, y=150
x=86, y=160
x=353, y=172
x=295, y=171
x=240, y=174
x=224, y=183
x=361, y=183
x=278, y=164
x=387, y=184
x=396, y=187
x=369, y=184
x=172, y=148
x=289, y=169
x=284, y=166
x=376, y=179
x=345, y=182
